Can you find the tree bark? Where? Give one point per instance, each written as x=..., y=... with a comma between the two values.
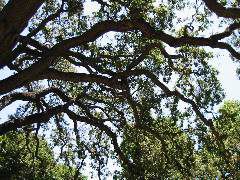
x=14, y=19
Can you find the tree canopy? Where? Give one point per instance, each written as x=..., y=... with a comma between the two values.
x=27, y=156
x=128, y=83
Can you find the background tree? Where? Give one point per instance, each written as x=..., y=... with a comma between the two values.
x=104, y=86
x=165, y=151
x=30, y=157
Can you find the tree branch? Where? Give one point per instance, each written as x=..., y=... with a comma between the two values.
x=42, y=117
x=46, y=20
x=222, y=11
x=79, y=77
x=97, y=30
x=13, y=20
x=30, y=96
x=108, y=131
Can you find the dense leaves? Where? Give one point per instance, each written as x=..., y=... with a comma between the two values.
x=120, y=88
x=25, y=156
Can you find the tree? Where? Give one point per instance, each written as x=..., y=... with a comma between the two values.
x=166, y=151
x=30, y=158
x=104, y=96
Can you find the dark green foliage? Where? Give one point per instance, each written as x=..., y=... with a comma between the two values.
x=24, y=156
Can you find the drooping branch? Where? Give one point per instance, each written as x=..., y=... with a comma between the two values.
x=104, y=103
x=108, y=131
x=167, y=91
x=176, y=93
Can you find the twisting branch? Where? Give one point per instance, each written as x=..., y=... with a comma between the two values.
x=96, y=31
x=166, y=90
x=13, y=20
x=222, y=11
x=169, y=93
x=108, y=131
x=30, y=96
x=228, y=31
x=42, y=117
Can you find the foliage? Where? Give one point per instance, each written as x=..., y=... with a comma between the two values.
x=29, y=157
x=164, y=151
x=160, y=151
x=129, y=83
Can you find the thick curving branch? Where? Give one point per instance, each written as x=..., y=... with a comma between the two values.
x=228, y=31
x=151, y=33
x=50, y=56
x=222, y=11
x=79, y=77
x=96, y=31
x=31, y=96
x=13, y=20
x=42, y=117
x=12, y=82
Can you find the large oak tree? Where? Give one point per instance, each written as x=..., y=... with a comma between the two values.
x=128, y=80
